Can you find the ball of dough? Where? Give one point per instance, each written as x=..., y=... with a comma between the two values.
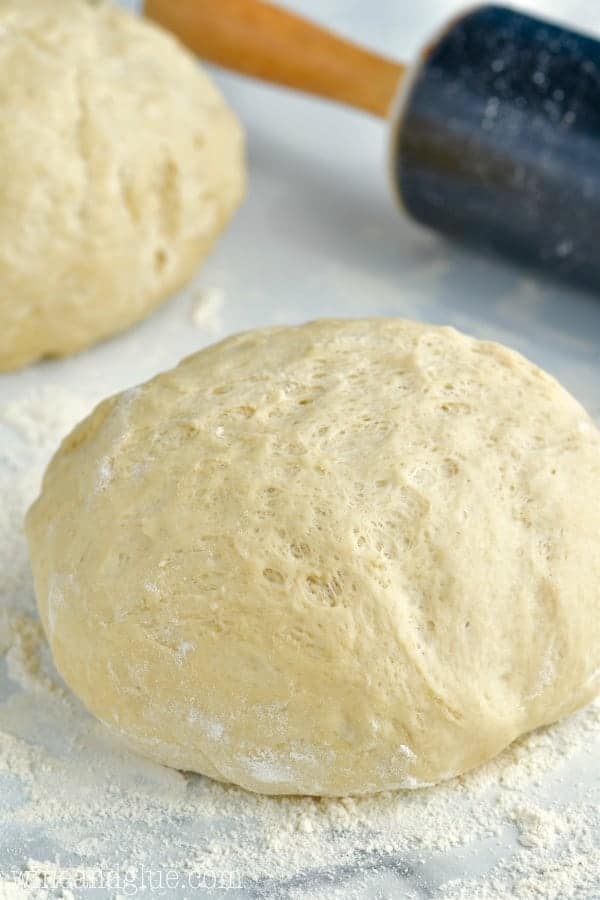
x=121, y=165
x=331, y=559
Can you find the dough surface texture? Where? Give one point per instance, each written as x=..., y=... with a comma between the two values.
x=121, y=164
x=329, y=559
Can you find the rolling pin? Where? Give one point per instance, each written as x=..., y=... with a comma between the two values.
x=495, y=128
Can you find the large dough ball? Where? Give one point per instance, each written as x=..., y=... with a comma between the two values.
x=119, y=165
x=333, y=559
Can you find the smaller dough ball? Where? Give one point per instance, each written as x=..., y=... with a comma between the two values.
x=332, y=559
x=121, y=164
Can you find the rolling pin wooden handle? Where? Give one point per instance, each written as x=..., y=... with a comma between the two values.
x=272, y=44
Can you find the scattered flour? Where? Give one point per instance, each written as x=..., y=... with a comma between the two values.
x=207, y=305
x=9, y=890
x=78, y=810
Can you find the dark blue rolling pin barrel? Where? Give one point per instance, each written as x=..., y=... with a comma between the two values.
x=496, y=129
x=498, y=141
